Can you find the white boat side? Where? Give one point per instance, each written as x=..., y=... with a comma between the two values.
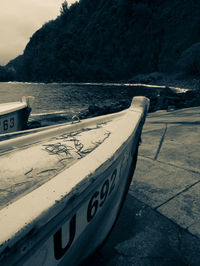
x=6, y=108
x=71, y=208
x=14, y=115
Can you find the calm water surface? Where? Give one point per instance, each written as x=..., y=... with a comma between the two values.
x=71, y=98
x=55, y=97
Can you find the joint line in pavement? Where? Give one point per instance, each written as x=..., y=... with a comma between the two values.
x=179, y=193
x=161, y=142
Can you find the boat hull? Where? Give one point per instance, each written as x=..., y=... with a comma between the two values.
x=88, y=225
x=14, y=121
x=66, y=219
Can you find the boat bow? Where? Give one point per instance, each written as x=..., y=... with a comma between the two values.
x=63, y=187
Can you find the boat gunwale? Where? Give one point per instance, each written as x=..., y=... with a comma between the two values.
x=18, y=106
x=40, y=133
x=24, y=138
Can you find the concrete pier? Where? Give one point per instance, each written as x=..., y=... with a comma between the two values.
x=160, y=221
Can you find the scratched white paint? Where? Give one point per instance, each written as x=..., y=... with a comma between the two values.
x=24, y=170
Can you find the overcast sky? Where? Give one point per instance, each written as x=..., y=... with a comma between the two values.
x=19, y=19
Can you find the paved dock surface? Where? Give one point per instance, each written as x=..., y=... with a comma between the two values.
x=160, y=221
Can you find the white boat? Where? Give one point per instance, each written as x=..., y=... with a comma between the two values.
x=14, y=115
x=62, y=188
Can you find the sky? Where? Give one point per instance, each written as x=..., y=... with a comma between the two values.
x=19, y=19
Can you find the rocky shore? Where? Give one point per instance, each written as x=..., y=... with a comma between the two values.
x=161, y=98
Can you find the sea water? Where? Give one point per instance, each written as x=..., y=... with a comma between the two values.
x=72, y=98
x=61, y=97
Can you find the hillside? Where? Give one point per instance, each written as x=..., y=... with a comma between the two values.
x=113, y=40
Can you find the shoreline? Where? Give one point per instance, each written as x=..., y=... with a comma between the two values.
x=161, y=98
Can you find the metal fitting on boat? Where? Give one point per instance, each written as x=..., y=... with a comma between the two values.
x=75, y=119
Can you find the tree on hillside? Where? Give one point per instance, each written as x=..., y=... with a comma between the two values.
x=64, y=8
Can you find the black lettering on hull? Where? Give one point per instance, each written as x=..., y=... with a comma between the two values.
x=59, y=251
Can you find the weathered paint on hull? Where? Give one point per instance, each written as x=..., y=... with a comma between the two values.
x=72, y=228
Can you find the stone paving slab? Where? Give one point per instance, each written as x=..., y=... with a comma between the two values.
x=152, y=141
x=155, y=183
x=184, y=209
x=152, y=127
x=181, y=146
x=181, y=115
x=169, y=180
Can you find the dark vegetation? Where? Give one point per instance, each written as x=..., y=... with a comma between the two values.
x=6, y=74
x=112, y=40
